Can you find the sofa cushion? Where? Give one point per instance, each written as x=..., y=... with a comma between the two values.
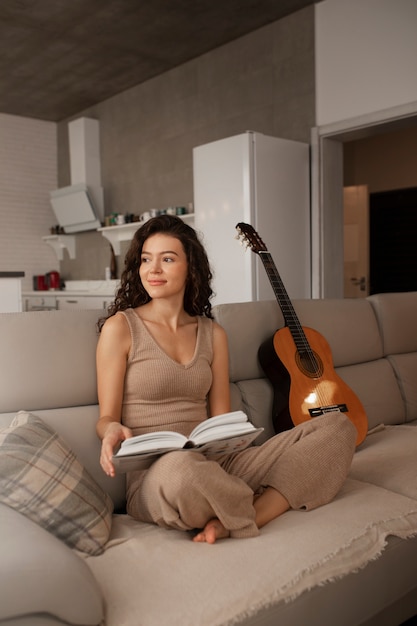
x=247, y=325
x=405, y=368
x=397, y=320
x=55, y=359
x=377, y=388
x=257, y=396
x=240, y=581
x=42, y=580
x=396, y=314
x=387, y=458
x=77, y=426
x=351, y=329
x=41, y=478
x=349, y=326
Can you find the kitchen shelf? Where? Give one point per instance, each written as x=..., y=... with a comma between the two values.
x=125, y=232
x=59, y=242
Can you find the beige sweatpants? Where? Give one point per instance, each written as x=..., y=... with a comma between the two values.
x=307, y=465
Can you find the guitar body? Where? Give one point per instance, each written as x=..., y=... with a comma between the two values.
x=298, y=362
x=312, y=385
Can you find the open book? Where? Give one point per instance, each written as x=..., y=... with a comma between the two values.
x=215, y=436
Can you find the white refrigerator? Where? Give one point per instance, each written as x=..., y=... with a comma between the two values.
x=263, y=181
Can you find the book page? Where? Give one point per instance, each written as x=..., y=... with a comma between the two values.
x=221, y=432
x=226, y=418
x=211, y=450
x=236, y=443
x=159, y=440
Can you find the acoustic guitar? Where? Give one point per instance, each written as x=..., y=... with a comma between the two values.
x=298, y=361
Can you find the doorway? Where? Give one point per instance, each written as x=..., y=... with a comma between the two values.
x=327, y=191
x=393, y=234
x=356, y=241
x=380, y=231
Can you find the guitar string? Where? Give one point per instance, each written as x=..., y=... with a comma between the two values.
x=292, y=321
x=288, y=310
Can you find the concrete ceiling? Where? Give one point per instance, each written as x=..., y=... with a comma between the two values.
x=59, y=57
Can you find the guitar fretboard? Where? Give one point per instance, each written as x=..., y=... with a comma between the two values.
x=288, y=311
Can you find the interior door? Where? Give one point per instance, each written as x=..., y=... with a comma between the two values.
x=356, y=241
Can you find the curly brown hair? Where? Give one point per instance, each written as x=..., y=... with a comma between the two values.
x=198, y=292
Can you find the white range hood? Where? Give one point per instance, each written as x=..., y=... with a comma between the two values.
x=74, y=208
x=80, y=206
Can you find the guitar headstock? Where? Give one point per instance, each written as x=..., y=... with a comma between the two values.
x=249, y=236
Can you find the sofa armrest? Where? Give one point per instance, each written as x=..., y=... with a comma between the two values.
x=40, y=574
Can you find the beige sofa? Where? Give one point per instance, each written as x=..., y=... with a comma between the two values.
x=351, y=562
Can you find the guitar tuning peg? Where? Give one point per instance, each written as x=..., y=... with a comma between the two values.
x=240, y=237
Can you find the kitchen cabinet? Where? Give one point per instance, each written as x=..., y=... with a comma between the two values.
x=79, y=294
x=66, y=302
x=10, y=292
x=41, y=302
x=69, y=301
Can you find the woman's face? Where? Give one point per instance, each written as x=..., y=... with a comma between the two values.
x=163, y=266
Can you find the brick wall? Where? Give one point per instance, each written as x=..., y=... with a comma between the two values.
x=28, y=170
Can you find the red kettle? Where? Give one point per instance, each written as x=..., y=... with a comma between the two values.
x=53, y=280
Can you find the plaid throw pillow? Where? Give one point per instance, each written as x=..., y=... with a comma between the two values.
x=41, y=478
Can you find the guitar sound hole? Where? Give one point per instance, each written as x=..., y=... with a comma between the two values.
x=309, y=363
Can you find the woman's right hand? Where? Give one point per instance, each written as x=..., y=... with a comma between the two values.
x=114, y=434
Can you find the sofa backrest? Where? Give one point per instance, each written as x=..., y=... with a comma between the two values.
x=47, y=366
x=358, y=345
x=247, y=326
x=397, y=320
x=49, y=357
x=352, y=331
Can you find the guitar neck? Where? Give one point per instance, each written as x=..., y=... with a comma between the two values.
x=290, y=316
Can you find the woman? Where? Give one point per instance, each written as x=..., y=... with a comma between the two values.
x=162, y=364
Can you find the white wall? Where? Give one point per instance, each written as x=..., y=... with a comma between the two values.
x=28, y=170
x=366, y=57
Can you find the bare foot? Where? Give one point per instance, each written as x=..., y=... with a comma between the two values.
x=212, y=531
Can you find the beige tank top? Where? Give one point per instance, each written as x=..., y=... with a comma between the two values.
x=159, y=392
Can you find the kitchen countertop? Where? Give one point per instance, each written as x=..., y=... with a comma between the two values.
x=80, y=288
x=12, y=274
